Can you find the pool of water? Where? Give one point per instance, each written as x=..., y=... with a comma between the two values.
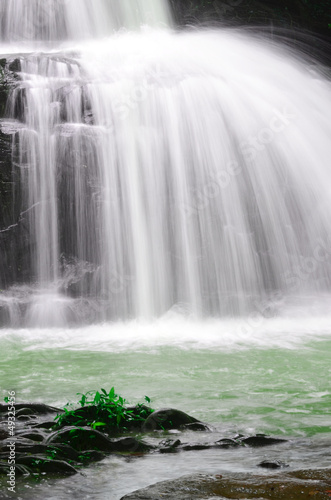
x=271, y=377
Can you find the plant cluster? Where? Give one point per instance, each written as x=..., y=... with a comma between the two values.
x=105, y=410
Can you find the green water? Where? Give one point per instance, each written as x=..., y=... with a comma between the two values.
x=267, y=385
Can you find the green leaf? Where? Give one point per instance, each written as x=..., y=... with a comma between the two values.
x=97, y=398
x=147, y=399
x=112, y=394
x=97, y=424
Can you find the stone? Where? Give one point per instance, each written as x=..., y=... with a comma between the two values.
x=169, y=418
x=24, y=411
x=272, y=464
x=261, y=440
x=38, y=463
x=302, y=485
x=85, y=438
x=36, y=408
x=33, y=436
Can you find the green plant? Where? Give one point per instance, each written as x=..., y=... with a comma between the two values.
x=104, y=410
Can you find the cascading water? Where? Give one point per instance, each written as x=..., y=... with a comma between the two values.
x=158, y=169
x=50, y=20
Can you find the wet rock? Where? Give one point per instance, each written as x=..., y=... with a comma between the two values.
x=48, y=424
x=169, y=418
x=304, y=485
x=24, y=411
x=59, y=451
x=261, y=440
x=169, y=446
x=26, y=418
x=19, y=469
x=272, y=464
x=15, y=66
x=36, y=408
x=85, y=438
x=33, y=436
x=3, y=434
x=196, y=426
x=196, y=446
x=38, y=463
x=90, y=456
x=227, y=443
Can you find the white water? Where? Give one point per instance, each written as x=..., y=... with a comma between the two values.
x=164, y=171
x=50, y=20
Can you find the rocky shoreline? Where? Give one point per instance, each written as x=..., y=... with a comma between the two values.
x=52, y=441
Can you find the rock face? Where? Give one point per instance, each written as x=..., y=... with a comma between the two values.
x=308, y=15
x=12, y=244
x=300, y=485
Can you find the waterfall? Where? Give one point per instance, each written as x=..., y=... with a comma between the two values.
x=160, y=170
x=50, y=20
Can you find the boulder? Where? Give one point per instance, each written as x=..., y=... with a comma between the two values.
x=85, y=438
x=170, y=418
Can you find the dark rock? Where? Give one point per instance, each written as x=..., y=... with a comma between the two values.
x=169, y=446
x=33, y=436
x=307, y=16
x=26, y=418
x=48, y=424
x=196, y=426
x=3, y=434
x=227, y=443
x=168, y=419
x=38, y=463
x=81, y=439
x=19, y=469
x=24, y=411
x=60, y=451
x=272, y=464
x=15, y=66
x=90, y=456
x=36, y=408
x=85, y=438
x=130, y=445
x=196, y=446
x=261, y=440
